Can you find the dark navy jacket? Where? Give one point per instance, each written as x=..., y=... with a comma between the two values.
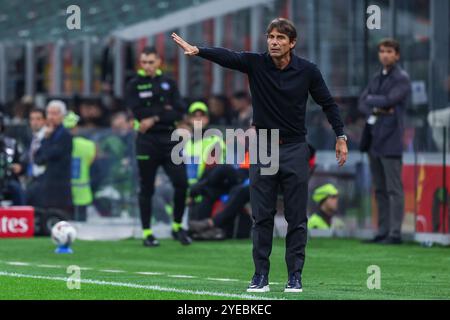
x=56, y=154
x=394, y=92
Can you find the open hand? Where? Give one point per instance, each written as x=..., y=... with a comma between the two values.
x=341, y=152
x=189, y=50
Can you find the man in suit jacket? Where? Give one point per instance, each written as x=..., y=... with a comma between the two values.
x=383, y=102
x=56, y=154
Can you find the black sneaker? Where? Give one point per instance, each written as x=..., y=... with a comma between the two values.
x=294, y=284
x=151, y=241
x=182, y=236
x=260, y=283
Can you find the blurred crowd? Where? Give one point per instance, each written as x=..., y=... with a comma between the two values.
x=47, y=144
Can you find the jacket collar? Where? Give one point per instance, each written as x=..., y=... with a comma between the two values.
x=141, y=73
x=390, y=72
x=295, y=63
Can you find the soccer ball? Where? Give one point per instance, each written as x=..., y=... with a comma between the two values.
x=63, y=234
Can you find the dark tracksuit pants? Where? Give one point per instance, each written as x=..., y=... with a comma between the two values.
x=292, y=178
x=216, y=182
x=239, y=196
x=234, y=208
x=154, y=150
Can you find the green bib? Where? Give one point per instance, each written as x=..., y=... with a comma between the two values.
x=83, y=154
x=198, y=152
x=317, y=222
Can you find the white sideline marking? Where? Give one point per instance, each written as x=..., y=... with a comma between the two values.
x=144, y=273
x=182, y=276
x=138, y=286
x=49, y=266
x=150, y=273
x=17, y=263
x=222, y=279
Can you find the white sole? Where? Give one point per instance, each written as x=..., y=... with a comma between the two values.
x=264, y=289
x=293, y=290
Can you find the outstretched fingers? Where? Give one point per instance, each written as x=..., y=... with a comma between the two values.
x=188, y=49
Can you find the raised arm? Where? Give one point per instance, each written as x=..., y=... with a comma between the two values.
x=226, y=58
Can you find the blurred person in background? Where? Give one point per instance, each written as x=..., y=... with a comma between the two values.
x=37, y=125
x=115, y=167
x=326, y=198
x=11, y=167
x=92, y=115
x=55, y=153
x=21, y=110
x=218, y=225
x=83, y=155
x=384, y=102
x=156, y=104
x=219, y=111
x=242, y=105
x=201, y=153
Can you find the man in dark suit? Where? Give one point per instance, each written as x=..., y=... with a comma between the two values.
x=55, y=154
x=384, y=102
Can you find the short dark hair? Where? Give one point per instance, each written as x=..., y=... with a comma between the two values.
x=150, y=50
x=389, y=43
x=38, y=110
x=283, y=26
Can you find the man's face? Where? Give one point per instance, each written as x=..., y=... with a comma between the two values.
x=331, y=204
x=150, y=63
x=388, y=56
x=216, y=107
x=199, y=116
x=54, y=116
x=37, y=121
x=279, y=44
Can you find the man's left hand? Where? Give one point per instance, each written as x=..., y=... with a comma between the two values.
x=341, y=151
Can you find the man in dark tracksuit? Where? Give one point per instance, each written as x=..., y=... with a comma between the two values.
x=384, y=101
x=156, y=103
x=280, y=82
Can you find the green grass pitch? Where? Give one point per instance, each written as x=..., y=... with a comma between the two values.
x=334, y=269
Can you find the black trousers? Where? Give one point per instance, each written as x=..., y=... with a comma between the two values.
x=292, y=178
x=154, y=150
